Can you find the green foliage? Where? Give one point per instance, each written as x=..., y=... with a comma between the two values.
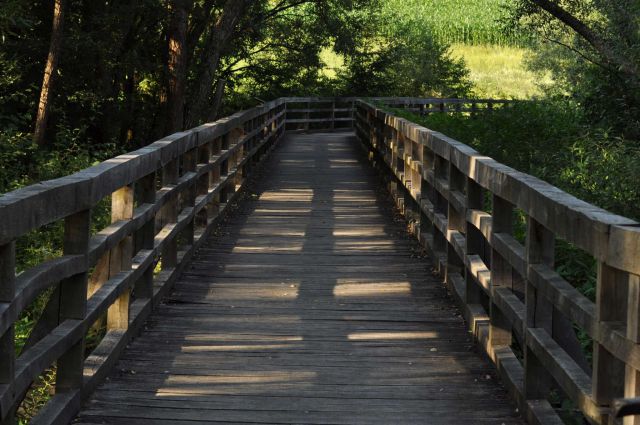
x=401, y=57
x=599, y=79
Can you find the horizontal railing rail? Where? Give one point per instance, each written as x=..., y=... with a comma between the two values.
x=462, y=207
x=165, y=199
x=426, y=106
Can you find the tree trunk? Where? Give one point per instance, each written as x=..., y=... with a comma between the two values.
x=177, y=63
x=50, y=71
x=217, y=42
x=217, y=100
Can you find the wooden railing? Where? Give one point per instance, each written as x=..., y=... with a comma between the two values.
x=462, y=207
x=426, y=106
x=164, y=200
x=320, y=114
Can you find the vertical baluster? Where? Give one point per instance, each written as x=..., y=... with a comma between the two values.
x=7, y=292
x=214, y=179
x=170, y=215
x=426, y=198
x=146, y=194
x=456, y=222
x=501, y=272
x=204, y=182
x=224, y=170
x=440, y=207
x=121, y=209
x=333, y=115
x=632, y=375
x=73, y=300
x=612, y=290
x=474, y=242
x=540, y=249
x=307, y=116
x=189, y=165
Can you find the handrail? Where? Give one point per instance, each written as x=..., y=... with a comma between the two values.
x=426, y=106
x=166, y=197
x=509, y=291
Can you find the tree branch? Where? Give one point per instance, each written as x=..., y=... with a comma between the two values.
x=598, y=43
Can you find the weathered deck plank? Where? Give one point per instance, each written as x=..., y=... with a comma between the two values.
x=308, y=306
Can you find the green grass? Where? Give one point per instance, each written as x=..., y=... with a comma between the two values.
x=499, y=71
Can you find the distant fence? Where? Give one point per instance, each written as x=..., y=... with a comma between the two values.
x=462, y=206
x=426, y=106
x=336, y=114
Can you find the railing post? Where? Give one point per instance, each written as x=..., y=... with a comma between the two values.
x=204, y=183
x=440, y=206
x=474, y=241
x=224, y=169
x=214, y=177
x=457, y=218
x=427, y=195
x=501, y=272
x=333, y=115
x=73, y=300
x=632, y=376
x=122, y=202
x=612, y=289
x=7, y=341
x=540, y=249
x=146, y=194
x=170, y=215
x=307, y=116
x=189, y=165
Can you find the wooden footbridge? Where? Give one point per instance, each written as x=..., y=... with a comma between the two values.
x=269, y=268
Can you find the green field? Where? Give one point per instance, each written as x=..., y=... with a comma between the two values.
x=499, y=71
x=476, y=32
x=460, y=21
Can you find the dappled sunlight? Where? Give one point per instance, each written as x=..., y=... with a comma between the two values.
x=281, y=292
x=291, y=247
x=372, y=336
x=372, y=289
x=361, y=232
x=300, y=210
x=273, y=232
x=239, y=377
x=242, y=337
x=199, y=349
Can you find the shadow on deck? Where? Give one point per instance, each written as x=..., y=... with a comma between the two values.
x=311, y=304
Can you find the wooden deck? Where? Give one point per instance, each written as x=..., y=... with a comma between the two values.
x=311, y=305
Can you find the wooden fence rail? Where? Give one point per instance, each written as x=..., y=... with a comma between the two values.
x=462, y=206
x=426, y=106
x=164, y=200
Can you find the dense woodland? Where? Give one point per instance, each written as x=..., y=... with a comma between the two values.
x=82, y=81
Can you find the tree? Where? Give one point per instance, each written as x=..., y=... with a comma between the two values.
x=607, y=49
x=217, y=41
x=50, y=70
x=596, y=61
x=177, y=63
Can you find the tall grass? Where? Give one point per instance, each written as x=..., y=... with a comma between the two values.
x=461, y=21
x=500, y=71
